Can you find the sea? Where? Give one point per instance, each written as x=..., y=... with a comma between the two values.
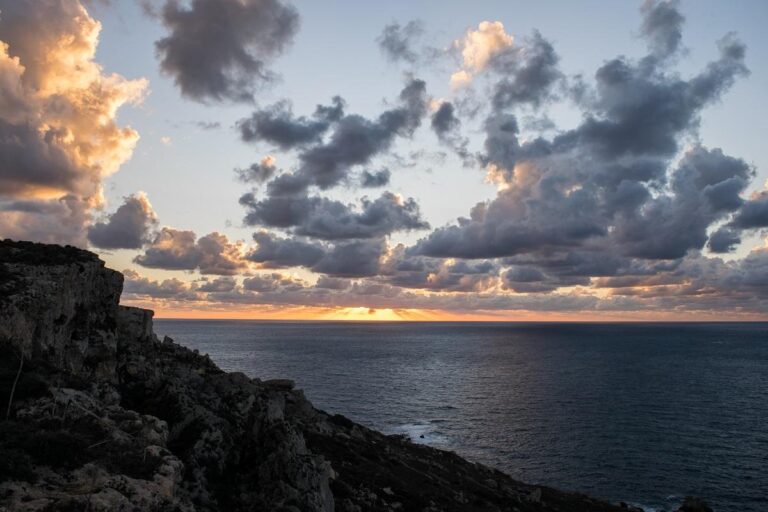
x=643, y=413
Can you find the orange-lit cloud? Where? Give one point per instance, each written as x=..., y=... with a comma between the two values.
x=58, y=128
x=478, y=47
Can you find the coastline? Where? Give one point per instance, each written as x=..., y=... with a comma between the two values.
x=104, y=415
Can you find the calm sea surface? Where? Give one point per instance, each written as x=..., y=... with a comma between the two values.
x=644, y=413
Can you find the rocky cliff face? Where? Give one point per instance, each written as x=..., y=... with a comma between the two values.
x=104, y=416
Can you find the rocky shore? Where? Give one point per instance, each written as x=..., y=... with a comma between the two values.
x=98, y=414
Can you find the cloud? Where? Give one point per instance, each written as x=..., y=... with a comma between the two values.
x=444, y=120
x=356, y=140
x=181, y=250
x=375, y=179
x=327, y=219
x=446, y=126
x=400, y=268
x=260, y=172
x=357, y=258
x=332, y=283
x=662, y=27
x=272, y=283
x=275, y=252
x=129, y=227
x=325, y=163
x=754, y=213
x=58, y=132
x=55, y=221
x=696, y=284
x=723, y=240
x=603, y=185
x=478, y=48
x=621, y=212
x=704, y=283
x=396, y=41
x=704, y=188
x=218, y=285
x=138, y=286
x=533, y=76
x=277, y=125
x=220, y=49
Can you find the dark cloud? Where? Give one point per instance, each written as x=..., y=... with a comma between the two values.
x=630, y=101
x=358, y=258
x=553, y=274
x=219, y=49
x=723, y=240
x=31, y=160
x=704, y=284
x=355, y=139
x=444, y=120
x=375, y=179
x=277, y=125
x=396, y=41
x=704, y=188
x=332, y=283
x=604, y=184
x=263, y=283
x=135, y=285
x=446, y=126
x=333, y=112
x=354, y=258
x=275, y=252
x=514, y=224
x=259, y=172
x=218, y=285
x=327, y=219
x=129, y=227
x=409, y=271
x=181, y=250
x=754, y=213
x=532, y=79
x=662, y=27
x=527, y=280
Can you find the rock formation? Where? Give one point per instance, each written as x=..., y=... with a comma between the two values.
x=103, y=416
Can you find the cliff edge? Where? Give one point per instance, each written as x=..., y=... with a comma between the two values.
x=99, y=414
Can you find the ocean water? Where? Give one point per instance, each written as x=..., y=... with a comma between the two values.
x=643, y=413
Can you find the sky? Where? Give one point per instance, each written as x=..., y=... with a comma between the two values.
x=493, y=160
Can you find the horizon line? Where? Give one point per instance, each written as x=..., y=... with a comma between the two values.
x=456, y=321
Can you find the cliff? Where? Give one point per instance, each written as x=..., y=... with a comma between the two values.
x=104, y=416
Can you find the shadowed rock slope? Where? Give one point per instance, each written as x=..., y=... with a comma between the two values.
x=104, y=416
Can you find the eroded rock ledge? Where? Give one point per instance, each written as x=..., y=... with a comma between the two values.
x=105, y=416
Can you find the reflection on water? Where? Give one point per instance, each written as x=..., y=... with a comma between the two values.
x=643, y=413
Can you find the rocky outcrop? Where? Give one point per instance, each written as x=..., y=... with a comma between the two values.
x=58, y=306
x=104, y=416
